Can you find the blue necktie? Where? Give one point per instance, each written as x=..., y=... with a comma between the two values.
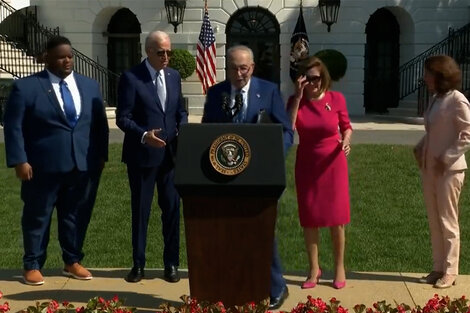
x=240, y=103
x=69, y=106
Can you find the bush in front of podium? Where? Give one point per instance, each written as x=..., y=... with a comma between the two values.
x=191, y=305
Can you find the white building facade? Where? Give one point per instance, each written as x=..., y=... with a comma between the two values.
x=368, y=33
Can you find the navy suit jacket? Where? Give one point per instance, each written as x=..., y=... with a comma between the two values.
x=139, y=110
x=37, y=131
x=262, y=95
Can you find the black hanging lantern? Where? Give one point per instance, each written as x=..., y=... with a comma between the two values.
x=329, y=11
x=175, y=12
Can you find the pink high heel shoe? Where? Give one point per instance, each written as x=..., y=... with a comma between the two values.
x=309, y=284
x=339, y=284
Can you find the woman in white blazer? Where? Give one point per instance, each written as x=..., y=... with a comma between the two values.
x=441, y=158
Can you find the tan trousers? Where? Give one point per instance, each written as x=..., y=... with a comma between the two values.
x=441, y=197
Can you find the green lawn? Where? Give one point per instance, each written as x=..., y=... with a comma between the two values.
x=388, y=230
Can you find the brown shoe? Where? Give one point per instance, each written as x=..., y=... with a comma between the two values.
x=446, y=281
x=431, y=278
x=77, y=271
x=33, y=277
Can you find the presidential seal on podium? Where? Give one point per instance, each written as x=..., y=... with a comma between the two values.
x=229, y=154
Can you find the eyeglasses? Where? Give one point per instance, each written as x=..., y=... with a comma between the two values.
x=161, y=53
x=244, y=69
x=313, y=78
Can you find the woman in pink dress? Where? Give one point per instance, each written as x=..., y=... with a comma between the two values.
x=321, y=171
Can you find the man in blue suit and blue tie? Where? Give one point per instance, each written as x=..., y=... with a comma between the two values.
x=249, y=98
x=150, y=111
x=56, y=138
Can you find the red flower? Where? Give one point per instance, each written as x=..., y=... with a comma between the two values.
x=342, y=310
x=52, y=307
x=115, y=298
x=79, y=310
x=5, y=307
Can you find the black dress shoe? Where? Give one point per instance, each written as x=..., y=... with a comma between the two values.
x=135, y=275
x=171, y=274
x=276, y=302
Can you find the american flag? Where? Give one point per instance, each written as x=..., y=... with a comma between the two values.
x=206, y=54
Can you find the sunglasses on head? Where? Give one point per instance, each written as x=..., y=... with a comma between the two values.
x=312, y=78
x=162, y=53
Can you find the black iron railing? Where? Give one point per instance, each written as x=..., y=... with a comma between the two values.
x=423, y=97
x=22, y=43
x=456, y=45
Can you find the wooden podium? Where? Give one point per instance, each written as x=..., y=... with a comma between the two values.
x=230, y=219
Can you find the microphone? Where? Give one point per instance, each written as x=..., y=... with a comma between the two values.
x=238, y=103
x=226, y=104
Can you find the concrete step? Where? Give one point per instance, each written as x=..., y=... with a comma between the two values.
x=16, y=60
x=5, y=75
x=408, y=104
x=196, y=110
x=403, y=111
x=391, y=117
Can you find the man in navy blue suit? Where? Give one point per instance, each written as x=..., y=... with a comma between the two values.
x=150, y=111
x=253, y=98
x=56, y=138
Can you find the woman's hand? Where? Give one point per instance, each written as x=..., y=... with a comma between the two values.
x=300, y=84
x=345, y=146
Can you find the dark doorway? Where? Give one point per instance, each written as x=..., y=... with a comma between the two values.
x=124, y=49
x=381, y=85
x=258, y=29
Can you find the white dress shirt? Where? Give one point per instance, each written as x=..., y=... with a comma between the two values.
x=72, y=85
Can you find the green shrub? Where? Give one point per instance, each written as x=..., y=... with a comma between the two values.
x=183, y=62
x=335, y=61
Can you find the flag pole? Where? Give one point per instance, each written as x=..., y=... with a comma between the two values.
x=205, y=5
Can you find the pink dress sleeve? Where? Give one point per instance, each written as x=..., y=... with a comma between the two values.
x=343, y=116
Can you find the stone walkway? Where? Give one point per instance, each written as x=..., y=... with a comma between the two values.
x=147, y=295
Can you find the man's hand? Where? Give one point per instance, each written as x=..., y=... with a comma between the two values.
x=24, y=171
x=151, y=138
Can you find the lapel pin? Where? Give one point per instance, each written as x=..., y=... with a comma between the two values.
x=258, y=95
x=327, y=107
